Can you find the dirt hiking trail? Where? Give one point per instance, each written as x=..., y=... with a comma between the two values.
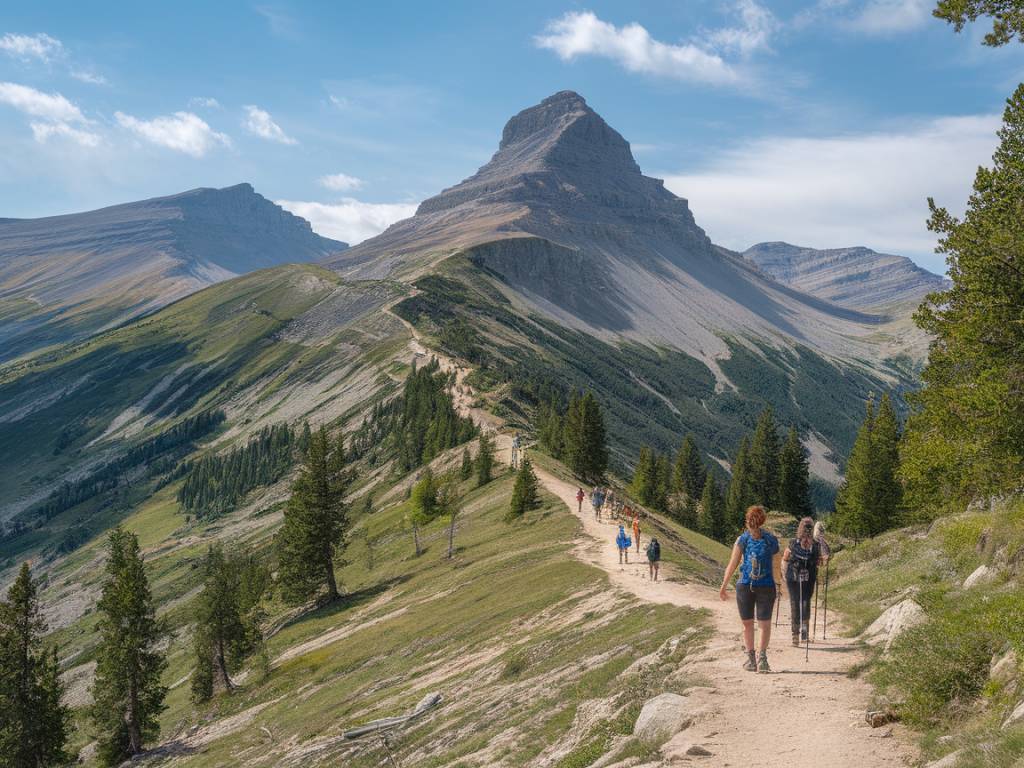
x=804, y=712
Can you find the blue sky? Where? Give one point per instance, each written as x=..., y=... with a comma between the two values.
x=824, y=123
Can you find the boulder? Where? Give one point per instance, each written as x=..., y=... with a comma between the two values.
x=1004, y=668
x=661, y=717
x=949, y=761
x=1016, y=716
x=893, y=622
x=981, y=575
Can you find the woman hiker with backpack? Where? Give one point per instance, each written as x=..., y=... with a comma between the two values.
x=653, y=557
x=802, y=558
x=756, y=553
x=636, y=530
x=623, y=542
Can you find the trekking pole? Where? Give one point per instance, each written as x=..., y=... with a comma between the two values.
x=824, y=622
x=778, y=603
x=817, y=584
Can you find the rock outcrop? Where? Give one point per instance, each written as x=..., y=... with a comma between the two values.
x=662, y=717
x=893, y=622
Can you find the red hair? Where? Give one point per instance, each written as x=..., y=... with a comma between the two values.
x=756, y=516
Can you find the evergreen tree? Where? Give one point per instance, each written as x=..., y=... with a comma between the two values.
x=711, y=519
x=794, y=478
x=572, y=432
x=764, y=460
x=965, y=434
x=424, y=499
x=34, y=724
x=449, y=503
x=227, y=620
x=662, y=479
x=315, y=522
x=741, y=492
x=466, y=469
x=525, y=494
x=589, y=457
x=551, y=429
x=1006, y=15
x=485, y=460
x=885, y=441
x=856, y=514
x=128, y=696
x=689, y=471
x=645, y=476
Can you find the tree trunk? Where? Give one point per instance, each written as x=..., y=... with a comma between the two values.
x=134, y=731
x=221, y=679
x=416, y=538
x=451, y=537
x=332, y=583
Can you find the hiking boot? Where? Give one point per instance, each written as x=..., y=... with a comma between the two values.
x=796, y=640
x=751, y=665
x=762, y=664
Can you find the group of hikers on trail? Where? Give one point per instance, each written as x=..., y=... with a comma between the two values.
x=757, y=555
x=601, y=498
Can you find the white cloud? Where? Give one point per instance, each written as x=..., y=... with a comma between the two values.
x=340, y=182
x=259, y=123
x=349, y=220
x=757, y=27
x=182, y=132
x=582, y=33
x=203, y=102
x=883, y=17
x=44, y=131
x=41, y=47
x=49, y=106
x=86, y=76
x=860, y=189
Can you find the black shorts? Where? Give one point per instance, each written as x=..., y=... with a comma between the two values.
x=751, y=600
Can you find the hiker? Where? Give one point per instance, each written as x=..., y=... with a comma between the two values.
x=653, y=557
x=636, y=531
x=580, y=496
x=623, y=542
x=597, y=499
x=819, y=536
x=516, y=443
x=609, y=501
x=758, y=551
x=802, y=558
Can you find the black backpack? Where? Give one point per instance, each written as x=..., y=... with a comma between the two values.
x=653, y=550
x=803, y=564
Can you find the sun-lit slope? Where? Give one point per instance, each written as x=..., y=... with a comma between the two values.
x=954, y=670
x=277, y=345
x=65, y=277
x=528, y=646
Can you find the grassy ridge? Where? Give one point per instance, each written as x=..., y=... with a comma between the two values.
x=938, y=673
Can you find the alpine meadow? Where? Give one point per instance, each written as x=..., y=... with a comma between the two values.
x=698, y=443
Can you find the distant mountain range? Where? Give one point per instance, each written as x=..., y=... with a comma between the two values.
x=66, y=277
x=857, y=278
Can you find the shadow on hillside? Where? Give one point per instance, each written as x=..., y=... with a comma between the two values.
x=345, y=603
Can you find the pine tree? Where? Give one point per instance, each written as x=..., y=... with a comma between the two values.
x=315, y=522
x=424, y=499
x=662, y=479
x=885, y=440
x=965, y=434
x=855, y=514
x=589, y=460
x=689, y=471
x=741, y=493
x=644, y=476
x=128, y=695
x=485, y=460
x=551, y=429
x=572, y=433
x=227, y=620
x=794, y=478
x=764, y=460
x=449, y=503
x=466, y=469
x=711, y=520
x=525, y=491
x=34, y=725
